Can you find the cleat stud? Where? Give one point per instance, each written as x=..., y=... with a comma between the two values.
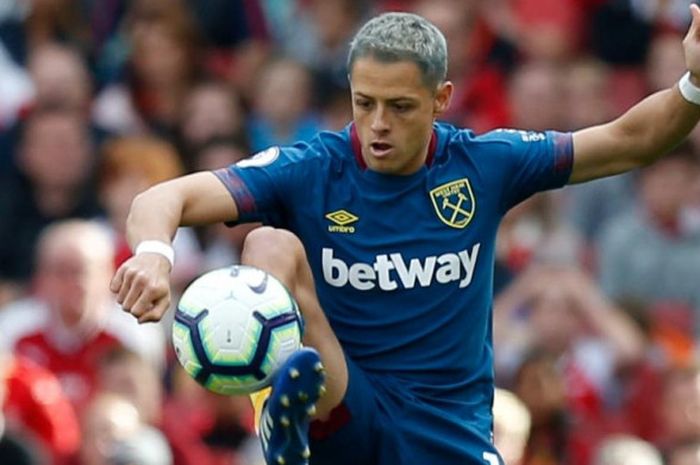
x=318, y=367
x=284, y=400
x=280, y=460
x=294, y=373
x=284, y=421
x=303, y=396
x=311, y=410
x=321, y=390
x=306, y=453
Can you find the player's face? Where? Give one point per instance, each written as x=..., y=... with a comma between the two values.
x=394, y=111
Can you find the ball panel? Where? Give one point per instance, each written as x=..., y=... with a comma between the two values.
x=284, y=341
x=230, y=341
x=184, y=350
x=205, y=292
x=223, y=384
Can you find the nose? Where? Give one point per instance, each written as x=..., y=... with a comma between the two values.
x=380, y=122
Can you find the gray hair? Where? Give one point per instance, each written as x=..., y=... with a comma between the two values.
x=393, y=37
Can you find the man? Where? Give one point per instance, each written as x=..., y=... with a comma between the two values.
x=648, y=253
x=37, y=413
x=392, y=245
x=71, y=321
x=54, y=158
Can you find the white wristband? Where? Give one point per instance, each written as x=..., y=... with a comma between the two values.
x=159, y=247
x=689, y=91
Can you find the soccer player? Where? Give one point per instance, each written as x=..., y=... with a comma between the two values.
x=388, y=246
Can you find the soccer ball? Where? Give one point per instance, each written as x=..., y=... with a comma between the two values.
x=234, y=327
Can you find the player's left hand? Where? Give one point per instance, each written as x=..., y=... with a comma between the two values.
x=691, y=45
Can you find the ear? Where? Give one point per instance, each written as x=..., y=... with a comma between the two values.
x=443, y=96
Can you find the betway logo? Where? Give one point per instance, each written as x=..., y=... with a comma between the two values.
x=391, y=270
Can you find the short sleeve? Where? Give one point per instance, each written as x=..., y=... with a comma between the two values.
x=530, y=162
x=266, y=186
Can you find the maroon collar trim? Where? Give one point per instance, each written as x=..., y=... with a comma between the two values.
x=357, y=148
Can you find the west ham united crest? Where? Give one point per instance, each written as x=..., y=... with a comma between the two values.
x=454, y=203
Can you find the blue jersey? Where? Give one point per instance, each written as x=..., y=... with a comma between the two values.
x=404, y=264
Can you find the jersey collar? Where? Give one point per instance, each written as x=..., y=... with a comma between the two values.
x=357, y=148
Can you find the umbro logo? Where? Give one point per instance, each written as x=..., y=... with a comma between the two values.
x=342, y=221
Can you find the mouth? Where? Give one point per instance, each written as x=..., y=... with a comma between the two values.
x=380, y=149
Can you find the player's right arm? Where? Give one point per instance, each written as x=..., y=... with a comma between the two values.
x=142, y=283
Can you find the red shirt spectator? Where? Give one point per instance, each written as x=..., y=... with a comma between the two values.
x=36, y=402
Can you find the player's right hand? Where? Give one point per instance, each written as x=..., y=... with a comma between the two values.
x=142, y=286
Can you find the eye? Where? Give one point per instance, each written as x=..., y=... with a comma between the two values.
x=364, y=104
x=402, y=107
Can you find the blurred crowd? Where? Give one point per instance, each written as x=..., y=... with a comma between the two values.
x=597, y=310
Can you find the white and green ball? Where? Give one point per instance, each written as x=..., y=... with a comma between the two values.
x=234, y=327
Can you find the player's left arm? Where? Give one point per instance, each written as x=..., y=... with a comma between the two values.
x=645, y=132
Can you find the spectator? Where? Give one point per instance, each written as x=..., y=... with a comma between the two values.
x=645, y=255
x=680, y=407
x=217, y=152
x=511, y=426
x=147, y=446
x=560, y=310
x=587, y=93
x=59, y=81
x=126, y=373
x=282, y=109
x=542, y=83
x=540, y=385
x=534, y=232
x=114, y=434
x=627, y=450
x=480, y=100
x=561, y=313
x=130, y=165
x=61, y=78
x=57, y=20
x=56, y=165
x=208, y=428
x=37, y=421
x=161, y=69
x=319, y=36
x=72, y=320
x=588, y=206
x=548, y=30
x=211, y=110
x=665, y=62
